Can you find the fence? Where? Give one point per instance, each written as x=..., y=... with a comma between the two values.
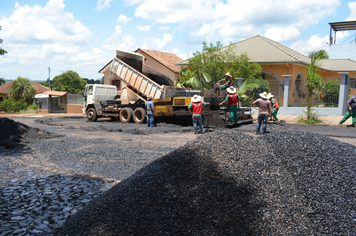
x=327, y=96
x=75, y=99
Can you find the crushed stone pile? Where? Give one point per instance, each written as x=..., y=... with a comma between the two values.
x=14, y=134
x=230, y=183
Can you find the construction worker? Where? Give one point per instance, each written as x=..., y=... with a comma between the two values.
x=150, y=111
x=351, y=111
x=264, y=108
x=195, y=109
x=228, y=81
x=232, y=99
x=275, y=107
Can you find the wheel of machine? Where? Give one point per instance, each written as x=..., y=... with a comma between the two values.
x=139, y=115
x=91, y=114
x=126, y=114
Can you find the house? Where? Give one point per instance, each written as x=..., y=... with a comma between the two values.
x=155, y=62
x=279, y=62
x=4, y=89
x=163, y=62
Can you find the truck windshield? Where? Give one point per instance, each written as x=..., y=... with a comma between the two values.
x=90, y=90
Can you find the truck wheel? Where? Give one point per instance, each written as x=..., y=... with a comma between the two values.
x=91, y=114
x=139, y=115
x=126, y=114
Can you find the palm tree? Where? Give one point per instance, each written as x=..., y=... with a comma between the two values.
x=22, y=89
x=314, y=81
x=190, y=79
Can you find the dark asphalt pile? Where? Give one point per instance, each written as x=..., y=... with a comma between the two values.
x=14, y=134
x=230, y=183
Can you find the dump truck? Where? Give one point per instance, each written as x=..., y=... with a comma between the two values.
x=142, y=82
x=103, y=100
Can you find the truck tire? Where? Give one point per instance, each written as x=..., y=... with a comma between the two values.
x=126, y=114
x=91, y=114
x=139, y=115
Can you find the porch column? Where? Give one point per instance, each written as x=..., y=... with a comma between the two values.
x=286, y=90
x=344, y=91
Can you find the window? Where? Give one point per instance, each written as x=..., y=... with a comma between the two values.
x=298, y=81
x=117, y=83
x=90, y=90
x=353, y=83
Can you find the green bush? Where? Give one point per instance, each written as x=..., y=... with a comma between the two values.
x=10, y=105
x=33, y=106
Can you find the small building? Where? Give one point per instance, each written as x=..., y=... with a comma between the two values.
x=155, y=62
x=5, y=88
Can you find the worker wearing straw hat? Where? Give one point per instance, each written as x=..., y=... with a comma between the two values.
x=228, y=81
x=275, y=107
x=196, y=108
x=232, y=99
x=264, y=108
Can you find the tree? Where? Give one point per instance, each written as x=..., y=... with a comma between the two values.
x=210, y=60
x=314, y=81
x=2, y=51
x=70, y=82
x=321, y=54
x=216, y=60
x=2, y=81
x=190, y=79
x=22, y=89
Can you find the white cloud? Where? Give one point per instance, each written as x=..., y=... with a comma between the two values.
x=48, y=24
x=283, y=33
x=352, y=6
x=119, y=41
x=179, y=53
x=162, y=43
x=238, y=19
x=122, y=19
x=102, y=4
x=315, y=43
x=164, y=27
x=157, y=43
x=145, y=28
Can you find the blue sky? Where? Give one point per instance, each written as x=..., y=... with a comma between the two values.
x=82, y=35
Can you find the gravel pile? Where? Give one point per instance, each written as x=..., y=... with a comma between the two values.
x=230, y=183
x=14, y=134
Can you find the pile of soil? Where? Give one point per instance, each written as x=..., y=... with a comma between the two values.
x=14, y=134
x=230, y=183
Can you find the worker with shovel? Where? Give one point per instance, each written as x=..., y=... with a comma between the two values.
x=275, y=107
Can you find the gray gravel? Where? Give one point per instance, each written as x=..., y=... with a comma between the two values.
x=51, y=168
x=230, y=183
x=76, y=160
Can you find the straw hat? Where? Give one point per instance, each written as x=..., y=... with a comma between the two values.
x=264, y=95
x=149, y=97
x=231, y=89
x=270, y=95
x=196, y=98
x=228, y=74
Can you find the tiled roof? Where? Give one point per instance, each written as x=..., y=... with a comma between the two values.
x=38, y=87
x=263, y=50
x=339, y=65
x=168, y=60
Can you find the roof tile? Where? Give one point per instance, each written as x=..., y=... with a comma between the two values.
x=168, y=60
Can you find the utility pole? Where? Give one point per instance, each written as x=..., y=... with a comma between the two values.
x=49, y=78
